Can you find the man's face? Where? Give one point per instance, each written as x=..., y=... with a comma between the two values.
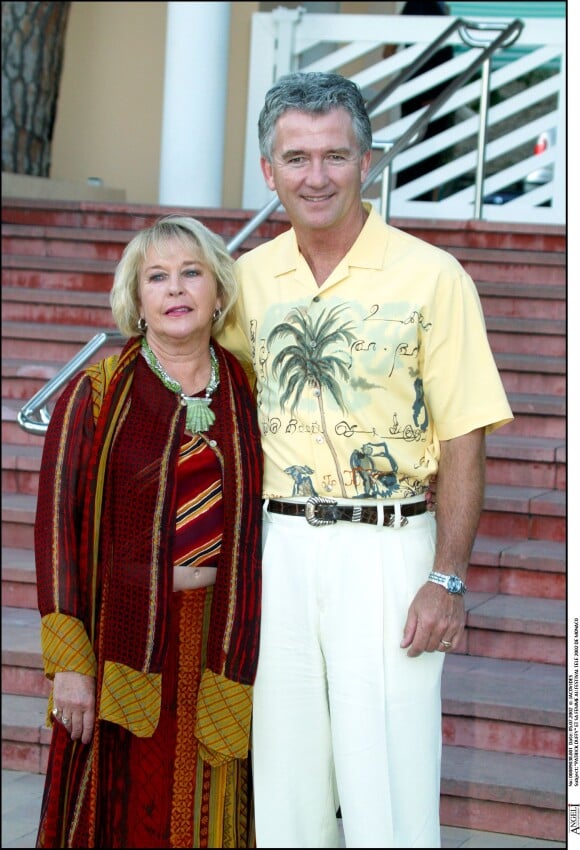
x=317, y=169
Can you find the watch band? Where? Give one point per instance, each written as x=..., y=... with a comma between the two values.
x=451, y=583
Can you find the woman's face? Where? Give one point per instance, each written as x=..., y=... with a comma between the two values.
x=178, y=293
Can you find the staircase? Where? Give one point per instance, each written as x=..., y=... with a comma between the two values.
x=504, y=689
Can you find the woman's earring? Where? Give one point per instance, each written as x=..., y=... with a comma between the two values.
x=217, y=313
x=142, y=325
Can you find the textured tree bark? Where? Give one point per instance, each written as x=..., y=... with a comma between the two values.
x=32, y=54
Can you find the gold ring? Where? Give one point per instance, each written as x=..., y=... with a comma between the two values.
x=55, y=712
x=445, y=643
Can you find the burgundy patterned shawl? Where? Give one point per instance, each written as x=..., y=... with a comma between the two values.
x=114, y=571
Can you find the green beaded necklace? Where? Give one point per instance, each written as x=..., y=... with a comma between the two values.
x=199, y=416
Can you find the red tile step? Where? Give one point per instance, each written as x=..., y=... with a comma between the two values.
x=18, y=579
x=20, y=468
x=525, y=461
x=532, y=373
x=530, y=513
x=25, y=736
x=515, y=335
x=506, y=793
x=63, y=273
x=87, y=243
x=530, y=301
x=537, y=415
x=501, y=266
x=18, y=512
x=515, y=627
x=518, y=567
x=22, y=672
x=524, y=253
x=42, y=342
x=470, y=233
x=21, y=379
x=56, y=306
x=106, y=243
x=504, y=705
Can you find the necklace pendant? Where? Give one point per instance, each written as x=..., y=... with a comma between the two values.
x=200, y=417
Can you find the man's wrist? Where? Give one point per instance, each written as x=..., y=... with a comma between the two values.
x=451, y=582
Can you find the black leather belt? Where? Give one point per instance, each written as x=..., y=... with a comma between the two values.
x=319, y=510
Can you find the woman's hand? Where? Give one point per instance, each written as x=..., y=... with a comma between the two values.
x=73, y=699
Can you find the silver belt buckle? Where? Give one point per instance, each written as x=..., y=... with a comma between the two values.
x=310, y=510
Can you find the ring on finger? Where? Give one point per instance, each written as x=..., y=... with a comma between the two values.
x=55, y=711
x=66, y=720
x=445, y=643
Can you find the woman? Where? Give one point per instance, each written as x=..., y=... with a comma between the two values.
x=149, y=594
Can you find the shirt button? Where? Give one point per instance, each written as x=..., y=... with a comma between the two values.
x=319, y=438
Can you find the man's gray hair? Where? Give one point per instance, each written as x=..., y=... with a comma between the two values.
x=314, y=92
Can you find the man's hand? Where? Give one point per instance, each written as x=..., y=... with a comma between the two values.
x=434, y=616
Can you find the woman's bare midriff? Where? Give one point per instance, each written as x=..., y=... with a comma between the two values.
x=187, y=578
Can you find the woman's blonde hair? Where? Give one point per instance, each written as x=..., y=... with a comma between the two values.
x=124, y=297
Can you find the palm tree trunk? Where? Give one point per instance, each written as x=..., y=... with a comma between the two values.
x=330, y=445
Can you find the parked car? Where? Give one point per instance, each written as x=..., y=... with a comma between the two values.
x=535, y=178
x=545, y=140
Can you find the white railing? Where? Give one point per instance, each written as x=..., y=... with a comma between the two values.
x=527, y=96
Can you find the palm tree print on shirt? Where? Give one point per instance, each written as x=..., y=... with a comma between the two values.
x=314, y=359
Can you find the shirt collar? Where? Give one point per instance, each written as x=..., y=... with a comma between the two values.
x=366, y=253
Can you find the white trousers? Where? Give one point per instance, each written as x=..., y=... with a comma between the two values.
x=342, y=716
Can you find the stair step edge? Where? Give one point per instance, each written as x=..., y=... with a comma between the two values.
x=524, y=693
x=519, y=779
x=520, y=614
x=68, y=297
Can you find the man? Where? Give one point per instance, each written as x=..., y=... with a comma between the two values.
x=373, y=373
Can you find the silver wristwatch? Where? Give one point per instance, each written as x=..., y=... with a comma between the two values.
x=452, y=584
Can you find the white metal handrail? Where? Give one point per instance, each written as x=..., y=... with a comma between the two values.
x=34, y=416
x=507, y=36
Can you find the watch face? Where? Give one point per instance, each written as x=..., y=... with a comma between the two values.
x=454, y=584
